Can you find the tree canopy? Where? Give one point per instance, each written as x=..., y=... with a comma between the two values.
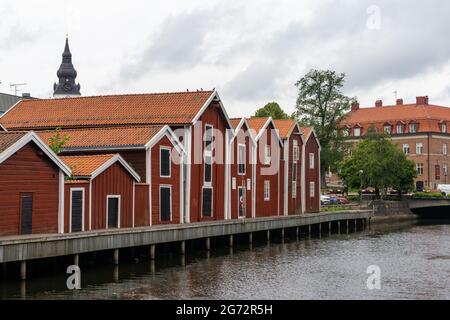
x=58, y=141
x=272, y=109
x=377, y=163
x=322, y=105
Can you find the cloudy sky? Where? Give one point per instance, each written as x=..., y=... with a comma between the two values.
x=251, y=51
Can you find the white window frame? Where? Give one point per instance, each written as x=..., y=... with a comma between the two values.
x=208, y=154
x=113, y=196
x=401, y=126
x=443, y=127
x=295, y=151
x=444, y=170
x=82, y=208
x=171, y=201
x=407, y=148
x=239, y=203
x=212, y=201
x=267, y=154
x=312, y=160
x=312, y=189
x=244, y=147
x=413, y=127
x=212, y=137
x=419, y=166
x=444, y=149
x=387, y=129
x=266, y=190
x=207, y=183
x=419, y=148
x=161, y=148
x=294, y=189
x=357, y=131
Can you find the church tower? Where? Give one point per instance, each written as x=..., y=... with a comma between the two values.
x=66, y=87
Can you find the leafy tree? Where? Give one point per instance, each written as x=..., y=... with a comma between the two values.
x=272, y=109
x=377, y=163
x=321, y=104
x=58, y=141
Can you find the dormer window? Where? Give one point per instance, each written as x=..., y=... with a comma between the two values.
x=443, y=127
x=387, y=128
x=346, y=132
x=357, y=131
x=399, y=128
x=413, y=127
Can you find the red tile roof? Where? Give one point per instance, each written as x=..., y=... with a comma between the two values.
x=132, y=109
x=7, y=139
x=406, y=113
x=84, y=166
x=110, y=137
x=257, y=124
x=285, y=127
x=306, y=131
x=235, y=122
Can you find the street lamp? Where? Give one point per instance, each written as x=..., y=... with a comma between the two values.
x=360, y=185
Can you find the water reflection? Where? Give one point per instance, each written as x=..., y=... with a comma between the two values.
x=414, y=262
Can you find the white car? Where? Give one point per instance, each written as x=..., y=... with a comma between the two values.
x=444, y=188
x=325, y=200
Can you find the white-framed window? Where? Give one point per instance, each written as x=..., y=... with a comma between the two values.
x=311, y=161
x=413, y=127
x=249, y=184
x=419, y=167
x=406, y=149
x=164, y=162
x=444, y=149
x=443, y=127
x=295, y=151
x=112, y=211
x=207, y=170
x=312, y=189
x=294, y=189
x=208, y=137
x=419, y=148
x=346, y=132
x=207, y=201
x=76, y=216
x=266, y=190
x=242, y=156
x=233, y=183
x=267, y=155
x=357, y=131
x=445, y=169
x=387, y=129
x=399, y=128
x=165, y=203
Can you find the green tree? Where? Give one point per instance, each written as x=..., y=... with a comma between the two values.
x=58, y=141
x=272, y=109
x=377, y=163
x=321, y=104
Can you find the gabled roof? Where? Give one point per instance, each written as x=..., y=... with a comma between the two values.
x=308, y=132
x=237, y=125
x=405, y=112
x=259, y=125
x=91, y=166
x=179, y=108
x=286, y=127
x=11, y=142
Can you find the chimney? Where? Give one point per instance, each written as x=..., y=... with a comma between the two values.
x=422, y=100
x=355, y=106
x=26, y=95
x=399, y=102
x=379, y=103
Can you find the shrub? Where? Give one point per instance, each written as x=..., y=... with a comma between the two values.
x=428, y=195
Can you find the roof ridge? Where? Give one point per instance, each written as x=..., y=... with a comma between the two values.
x=106, y=155
x=120, y=95
x=121, y=127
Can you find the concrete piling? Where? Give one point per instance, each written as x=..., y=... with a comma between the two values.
x=116, y=257
x=76, y=259
x=347, y=226
x=329, y=228
x=309, y=231
x=152, y=252
x=250, y=238
x=339, y=227
x=230, y=241
x=208, y=244
x=268, y=236
x=23, y=270
x=297, y=233
x=183, y=247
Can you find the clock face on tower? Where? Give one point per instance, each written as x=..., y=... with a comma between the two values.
x=67, y=87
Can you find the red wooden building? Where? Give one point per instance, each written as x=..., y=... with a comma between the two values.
x=31, y=185
x=291, y=166
x=242, y=171
x=311, y=153
x=106, y=199
x=268, y=192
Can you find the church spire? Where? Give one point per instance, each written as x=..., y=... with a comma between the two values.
x=67, y=74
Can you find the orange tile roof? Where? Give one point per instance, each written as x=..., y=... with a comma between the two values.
x=156, y=108
x=7, y=139
x=110, y=137
x=84, y=166
x=235, y=122
x=405, y=112
x=257, y=123
x=284, y=127
x=306, y=131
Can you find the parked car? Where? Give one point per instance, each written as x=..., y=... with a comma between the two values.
x=342, y=200
x=444, y=189
x=334, y=200
x=325, y=200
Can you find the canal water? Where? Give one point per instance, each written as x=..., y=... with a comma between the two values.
x=413, y=260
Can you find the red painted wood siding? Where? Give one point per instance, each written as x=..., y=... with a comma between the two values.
x=312, y=203
x=67, y=187
x=113, y=181
x=294, y=204
x=241, y=180
x=29, y=171
x=267, y=208
x=142, y=204
x=211, y=116
x=157, y=181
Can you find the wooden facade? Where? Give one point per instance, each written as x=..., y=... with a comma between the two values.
x=312, y=171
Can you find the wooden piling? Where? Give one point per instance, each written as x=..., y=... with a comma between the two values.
x=116, y=257
x=208, y=244
x=152, y=252
x=183, y=247
x=23, y=270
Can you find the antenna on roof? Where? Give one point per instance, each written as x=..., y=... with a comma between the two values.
x=395, y=95
x=16, y=87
